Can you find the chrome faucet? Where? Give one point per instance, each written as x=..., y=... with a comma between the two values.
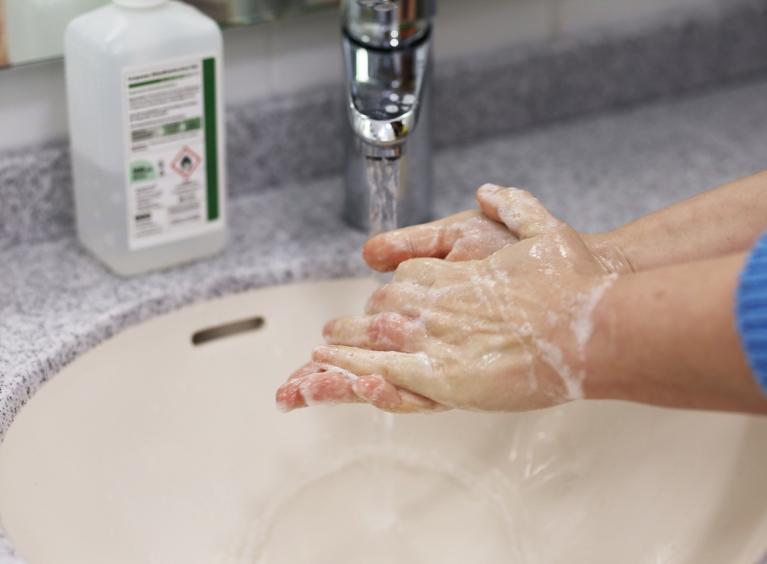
x=387, y=53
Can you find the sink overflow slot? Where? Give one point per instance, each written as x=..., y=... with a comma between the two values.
x=227, y=330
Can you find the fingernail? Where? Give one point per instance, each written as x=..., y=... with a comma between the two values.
x=490, y=188
x=322, y=353
x=327, y=330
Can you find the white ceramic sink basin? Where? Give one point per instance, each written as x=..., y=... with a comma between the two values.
x=150, y=449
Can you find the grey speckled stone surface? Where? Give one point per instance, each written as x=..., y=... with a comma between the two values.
x=596, y=172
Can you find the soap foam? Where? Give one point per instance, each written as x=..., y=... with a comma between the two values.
x=582, y=323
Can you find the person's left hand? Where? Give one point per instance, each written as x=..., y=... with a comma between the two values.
x=469, y=235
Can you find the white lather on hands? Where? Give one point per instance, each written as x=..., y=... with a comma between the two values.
x=504, y=330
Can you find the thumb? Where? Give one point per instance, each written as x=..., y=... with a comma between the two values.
x=518, y=209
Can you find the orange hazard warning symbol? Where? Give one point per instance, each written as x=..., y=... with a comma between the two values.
x=186, y=162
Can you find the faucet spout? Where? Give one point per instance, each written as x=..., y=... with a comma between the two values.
x=385, y=91
x=387, y=55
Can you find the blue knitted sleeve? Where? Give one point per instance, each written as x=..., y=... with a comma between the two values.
x=751, y=310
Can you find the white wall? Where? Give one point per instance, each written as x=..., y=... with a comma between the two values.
x=284, y=57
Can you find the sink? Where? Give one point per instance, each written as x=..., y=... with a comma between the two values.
x=163, y=445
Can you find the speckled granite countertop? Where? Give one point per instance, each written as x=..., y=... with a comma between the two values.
x=596, y=172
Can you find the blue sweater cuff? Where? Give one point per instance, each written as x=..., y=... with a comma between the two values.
x=751, y=311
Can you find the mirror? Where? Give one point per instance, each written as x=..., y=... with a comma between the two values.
x=32, y=30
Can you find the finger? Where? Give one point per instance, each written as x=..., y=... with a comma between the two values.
x=326, y=387
x=429, y=313
x=429, y=240
x=424, y=271
x=480, y=239
x=382, y=332
x=519, y=210
x=288, y=395
x=305, y=370
x=407, y=299
x=375, y=390
x=412, y=372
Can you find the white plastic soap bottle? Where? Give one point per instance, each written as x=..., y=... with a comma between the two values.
x=146, y=132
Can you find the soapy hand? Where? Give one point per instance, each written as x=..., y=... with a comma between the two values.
x=467, y=235
x=507, y=331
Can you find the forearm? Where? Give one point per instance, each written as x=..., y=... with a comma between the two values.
x=718, y=222
x=667, y=337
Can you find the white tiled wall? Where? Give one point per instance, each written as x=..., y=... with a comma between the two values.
x=284, y=57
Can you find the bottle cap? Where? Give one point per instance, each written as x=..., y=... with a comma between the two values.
x=139, y=3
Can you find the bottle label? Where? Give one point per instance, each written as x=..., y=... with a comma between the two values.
x=174, y=178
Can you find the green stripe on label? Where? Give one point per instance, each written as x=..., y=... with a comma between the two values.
x=211, y=134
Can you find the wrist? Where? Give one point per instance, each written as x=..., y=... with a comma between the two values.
x=600, y=359
x=667, y=337
x=609, y=249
